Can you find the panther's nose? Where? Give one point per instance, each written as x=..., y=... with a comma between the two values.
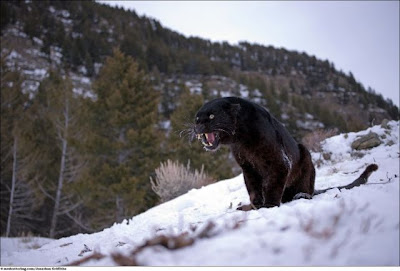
x=199, y=128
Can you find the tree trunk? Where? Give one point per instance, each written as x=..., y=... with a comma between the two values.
x=13, y=181
x=59, y=188
x=57, y=199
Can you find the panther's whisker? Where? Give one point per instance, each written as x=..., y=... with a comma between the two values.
x=184, y=133
x=222, y=130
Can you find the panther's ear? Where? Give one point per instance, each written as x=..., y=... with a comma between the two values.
x=235, y=108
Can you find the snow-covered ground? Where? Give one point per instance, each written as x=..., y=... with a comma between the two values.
x=357, y=227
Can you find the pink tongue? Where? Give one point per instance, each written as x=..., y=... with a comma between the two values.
x=210, y=138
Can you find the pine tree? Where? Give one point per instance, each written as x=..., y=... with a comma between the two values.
x=123, y=144
x=13, y=102
x=54, y=125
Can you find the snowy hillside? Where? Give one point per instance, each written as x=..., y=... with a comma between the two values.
x=349, y=227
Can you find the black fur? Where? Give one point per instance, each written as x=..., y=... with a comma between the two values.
x=275, y=167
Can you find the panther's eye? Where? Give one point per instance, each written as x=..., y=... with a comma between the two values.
x=211, y=116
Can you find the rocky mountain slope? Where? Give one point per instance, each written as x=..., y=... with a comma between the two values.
x=305, y=93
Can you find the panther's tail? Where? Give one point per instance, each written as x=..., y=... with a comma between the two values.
x=359, y=181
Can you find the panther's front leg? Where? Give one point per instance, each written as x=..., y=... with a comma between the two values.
x=253, y=182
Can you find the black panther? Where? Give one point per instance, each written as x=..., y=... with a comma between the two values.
x=275, y=167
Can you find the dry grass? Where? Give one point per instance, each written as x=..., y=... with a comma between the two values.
x=174, y=179
x=314, y=139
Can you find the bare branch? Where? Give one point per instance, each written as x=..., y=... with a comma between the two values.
x=44, y=191
x=70, y=208
x=79, y=223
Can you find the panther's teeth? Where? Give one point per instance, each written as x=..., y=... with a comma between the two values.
x=204, y=142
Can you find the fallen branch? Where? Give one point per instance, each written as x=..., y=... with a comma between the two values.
x=173, y=242
x=94, y=256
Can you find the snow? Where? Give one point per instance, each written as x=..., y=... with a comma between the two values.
x=10, y=245
x=85, y=80
x=85, y=93
x=16, y=32
x=82, y=70
x=310, y=125
x=195, y=87
x=285, y=116
x=76, y=35
x=13, y=55
x=257, y=93
x=357, y=227
x=153, y=25
x=30, y=86
x=165, y=125
x=65, y=13
x=67, y=22
x=244, y=92
x=40, y=74
x=38, y=41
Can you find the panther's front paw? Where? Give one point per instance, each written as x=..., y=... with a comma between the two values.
x=247, y=207
x=302, y=195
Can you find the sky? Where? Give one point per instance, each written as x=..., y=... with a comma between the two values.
x=357, y=36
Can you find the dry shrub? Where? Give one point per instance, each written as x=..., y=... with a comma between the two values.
x=314, y=139
x=174, y=179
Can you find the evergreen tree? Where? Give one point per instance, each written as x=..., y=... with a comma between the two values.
x=53, y=126
x=123, y=144
x=16, y=197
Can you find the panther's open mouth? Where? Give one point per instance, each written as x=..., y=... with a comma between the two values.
x=209, y=140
